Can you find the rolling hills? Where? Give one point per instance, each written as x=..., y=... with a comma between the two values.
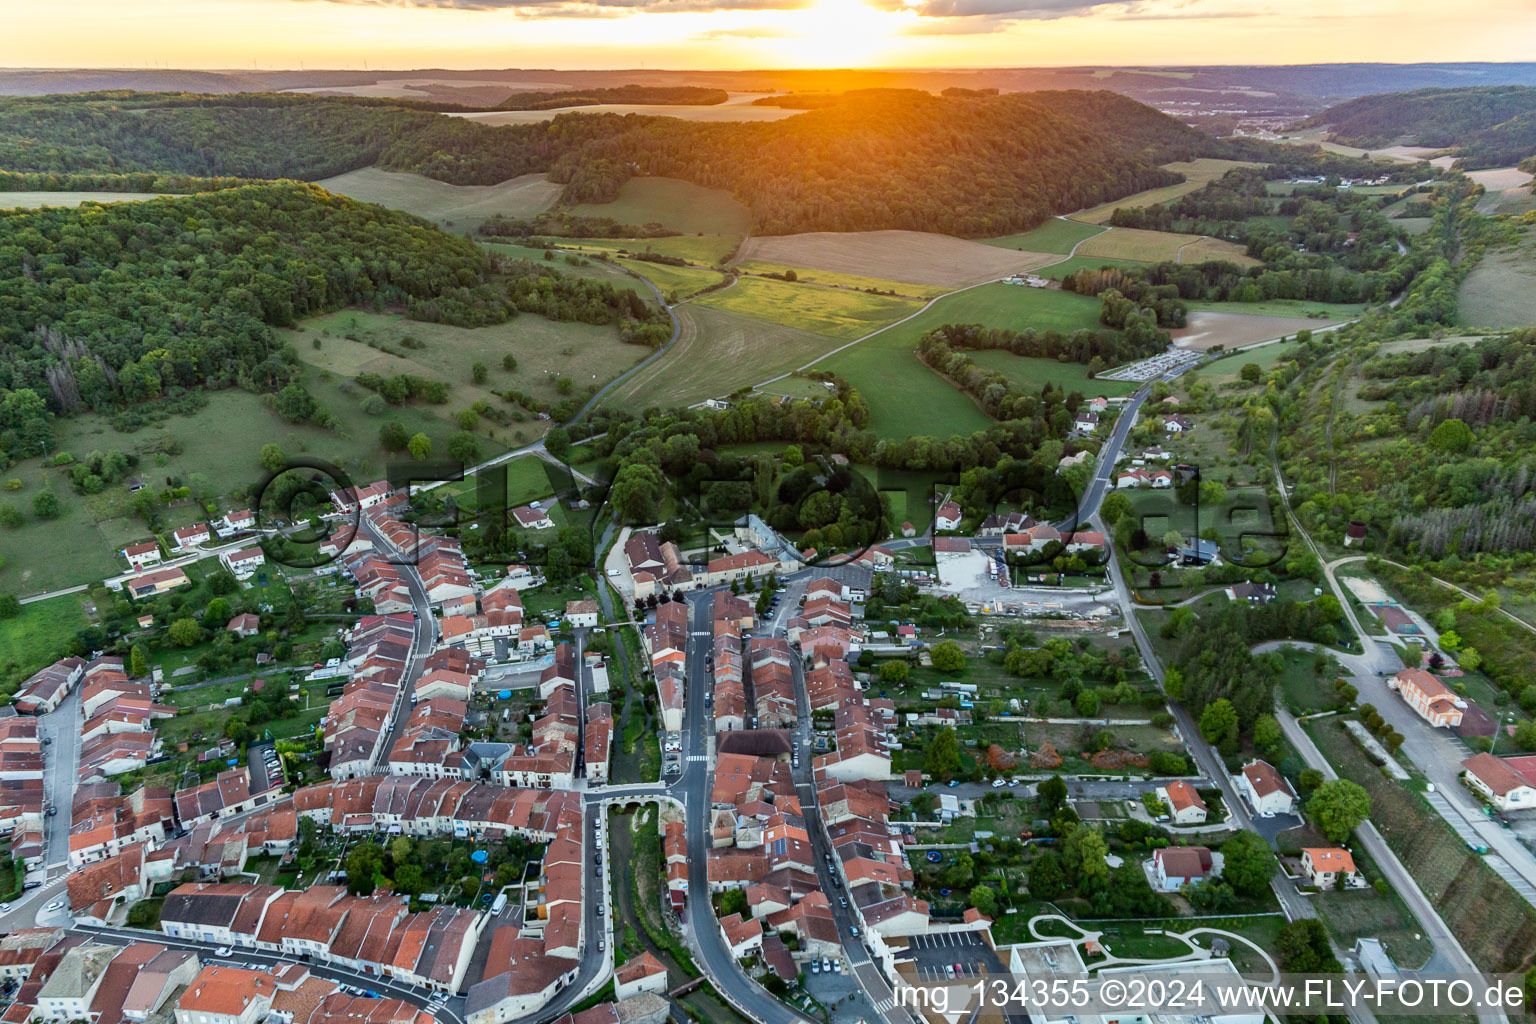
x=1488, y=126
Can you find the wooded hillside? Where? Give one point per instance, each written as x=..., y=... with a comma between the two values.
x=973, y=165
x=1490, y=126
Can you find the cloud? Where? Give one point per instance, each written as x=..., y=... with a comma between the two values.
x=998, y=14
x=586, y=8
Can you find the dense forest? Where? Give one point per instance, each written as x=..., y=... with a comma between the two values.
x=105, y=306
x=973, y=165
x=1487, y=126
x=661, y=95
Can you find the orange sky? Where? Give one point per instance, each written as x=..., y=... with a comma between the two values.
x=755, y=33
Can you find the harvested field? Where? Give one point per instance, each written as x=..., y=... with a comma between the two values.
x=854, y=281
x=463, y=206
x=831, y=312
x=716, y=353
x=679, y=205
x=1198, y=173
x=1500, y=292
x=738, y=108
x=1507, y=186
x=1234, y=330
x=1161, y=246
x=34, y=200
x=914, y=257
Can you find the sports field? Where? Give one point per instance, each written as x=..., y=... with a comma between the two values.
x=545, y=351
x=830, y=312
x=916, y=257
x=1196, y=172
x=34, y=200
x=1055, y=235
x=833, y=279
x=905, y=397
x=1161, y=246
x=462, y=206
x=716, y=353
x=1028, y=373
x=679, y=205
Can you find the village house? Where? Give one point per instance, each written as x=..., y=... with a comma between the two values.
x=1185, y=807
x=141, y=555
x=244, y=624
x=1431, y=699
x=1177, y=425
x=157, y=582
x=244, y=562
x=581, y=614
x=1324, y=865
x=188, y=537
x=530, y=518
x=1265, y=789
x=947, y=517
x=1176, y=866
x=1499, y=782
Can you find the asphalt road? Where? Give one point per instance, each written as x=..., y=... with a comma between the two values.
x=425, y=634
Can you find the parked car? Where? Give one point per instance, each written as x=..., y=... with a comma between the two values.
x=999, y=783
x=223, y=951
x=853, y=930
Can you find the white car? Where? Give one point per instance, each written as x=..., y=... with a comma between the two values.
x=615, y=572
x=999, y=783
x=223, y=951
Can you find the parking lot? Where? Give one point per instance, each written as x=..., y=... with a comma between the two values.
x=947, y=955
x=266, y=767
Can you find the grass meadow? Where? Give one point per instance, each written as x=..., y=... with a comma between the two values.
x=905, y=397
x=676, y=283
x=37, y=200
x=831, y=312
x=1055, y=235
x=1500, y=292
x=679, y=205
x=1028, y=373
x=707, y=249
x=857, y=282
x=1196, y=172
x=456, y=206
x=32, y=640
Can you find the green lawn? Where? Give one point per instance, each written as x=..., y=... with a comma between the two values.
x=1055, y=235
x=905, y=397
x=676, y=283
x=35, y=638
x=1030, y=373
x=1285, y=307
x=528, y=477
x=679, y=205
x=831, y=312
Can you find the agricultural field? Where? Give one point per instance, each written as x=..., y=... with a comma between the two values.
x=1323, y=313
x=459, y=206
x=905, y=397
x=1161, y=246
x=833, y=313
x=915, y=257
x=1057, y=235
x=1196, y=172
x=1071, y=265
x=1506, y=186
x=715, y=354
x=832, y=279
x=1208, y=330
x=679, y=205
x=36, y=200
x=581, y=266
x=707, y=249
x=740, y=109
x=546, y=351
x=1028, y=373
x=676, y=283
x=1500, y=292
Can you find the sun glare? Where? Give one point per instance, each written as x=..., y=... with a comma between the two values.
x=836, y=34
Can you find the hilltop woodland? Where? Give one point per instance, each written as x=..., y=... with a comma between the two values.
x=1485, y=126
x=109, y=308
x=660, y=95
x=865, y=163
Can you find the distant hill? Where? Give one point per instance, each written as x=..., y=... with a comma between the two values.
x=968, y=165
x=1490, y=126
x=664, y=95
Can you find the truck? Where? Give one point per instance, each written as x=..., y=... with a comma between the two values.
x=500, y=904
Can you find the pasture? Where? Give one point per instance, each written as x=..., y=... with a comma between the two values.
x=1056, y=235
x=832, y=279
x=905, y=397
x=591, y=268
x=1161, y=246
x=1028, y=373
x=706, y=249
x=1197, y=174
x=36, y=637
x=831, y=312
x=461, y=206
x=676, y=283
x=1500, y=292
x=679, y=205
x=1057, y=271
x=716, y=353
x=915, y=257
x=1323, y=312
x=37, y=200
x=1229, y=368
x=545, y=351
x=1208, y=330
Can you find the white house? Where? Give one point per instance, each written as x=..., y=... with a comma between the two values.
x=581, y=614
x=1175, y=866
x=530, y=518
x=191, y=536
x=1499, y=782
x=1265, y=790
x=642, y=974
x=244, y=562
x=1177, y=424
x=1184, y=804
x=948, y=517
x=141, y=555
x=1324, y=865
